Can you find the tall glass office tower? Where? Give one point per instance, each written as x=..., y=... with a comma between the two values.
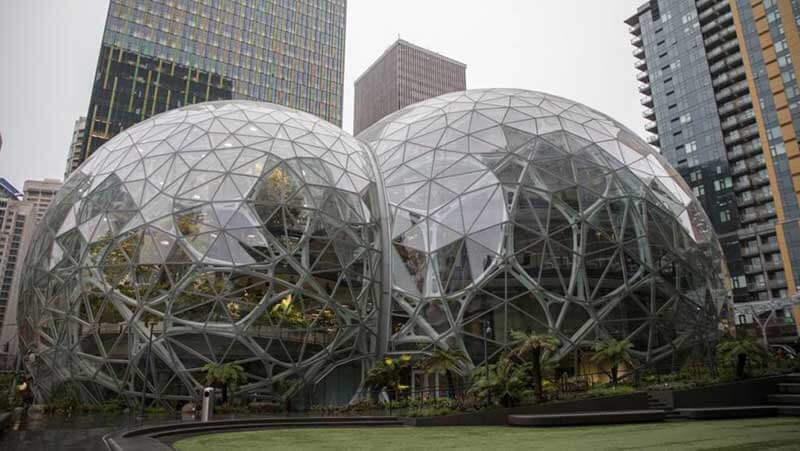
x=719, y=84
x=157, y=55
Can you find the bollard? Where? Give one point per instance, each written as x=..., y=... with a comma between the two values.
x=208, y=404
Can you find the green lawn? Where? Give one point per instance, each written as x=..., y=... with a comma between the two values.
x=752, y=434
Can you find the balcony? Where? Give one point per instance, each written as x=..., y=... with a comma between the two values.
x=740, y=87
x=752, y=147
x=739, y=168
x=773, y=265
x=768, y=226
x=757, y=162
x=734, y=59
x=749, y=251
x=704, y=3
x=705, y=15
x=637, y=41
x=753, y=268
x=643, y=76
x=638, y=52
x=750, y=216
x=644, y=88
x=717, y=67
x=728, y=77
x=746, y=231
x=742, y=184
x=769, y=248
x=715, y=54
x=760, y=179
x=640, y=64
x=757, y=286
x=651, y=127
x=766, y=212
x=723, y=95
x=735, y=153
x=776, y=284
x=647, y=101
x=648, y=113
x=727, y=31
x=737, y=136
x=635, y=30
x=763, y=196
x=653, y=140
x=730, y=123
x=745, y=201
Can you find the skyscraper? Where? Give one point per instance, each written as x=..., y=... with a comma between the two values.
x=17, y=223
x=40, y=193
x=720, y=92
x=157, y=55
x=75, y=147
x=403, y=75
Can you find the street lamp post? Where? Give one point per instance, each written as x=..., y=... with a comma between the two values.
x=487, y=329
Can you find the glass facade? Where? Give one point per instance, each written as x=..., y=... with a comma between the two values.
x=162, y=54
x=709, y=96
x=253, y=234
x=405, y=74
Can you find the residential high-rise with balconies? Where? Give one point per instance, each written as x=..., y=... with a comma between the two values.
x=40, y=193
x=403, y=75
x=157, y=55
x=75, y=147
x=17, y=224
x=721, y=98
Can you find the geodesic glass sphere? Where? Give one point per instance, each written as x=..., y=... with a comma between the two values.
x=519, y=210
x=252, y=234
x=240, y=230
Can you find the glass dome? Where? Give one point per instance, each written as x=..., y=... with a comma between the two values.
x=239, y=230
x=252, y=234
x=520, y=210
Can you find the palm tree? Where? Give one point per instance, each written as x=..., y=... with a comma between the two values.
x=614, y=352
x=223, y=375
x=445, y=361
x=533, y=345
x=742, y=350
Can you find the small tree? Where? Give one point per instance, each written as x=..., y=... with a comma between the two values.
x=508, y=382
x=532, y=347
x=742, y=351
x=224, y=375
x=445, y=361
x=387, y=374
x=614, y=352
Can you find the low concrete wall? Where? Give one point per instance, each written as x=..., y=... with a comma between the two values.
x=741, y=393
x=494, y=417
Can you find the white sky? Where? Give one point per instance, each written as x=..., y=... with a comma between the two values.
x=579, y=49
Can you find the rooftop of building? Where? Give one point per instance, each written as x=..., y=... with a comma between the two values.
x=404, y=43
x=634, y=19
x=42, y=184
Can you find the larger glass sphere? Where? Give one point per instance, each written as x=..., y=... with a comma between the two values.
x=519, y=210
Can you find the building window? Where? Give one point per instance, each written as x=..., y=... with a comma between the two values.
x=777, y=149
x=691, y=146
x=686, y=118
x=722, y=184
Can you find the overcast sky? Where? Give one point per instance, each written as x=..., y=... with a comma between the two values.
x=579, y=49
